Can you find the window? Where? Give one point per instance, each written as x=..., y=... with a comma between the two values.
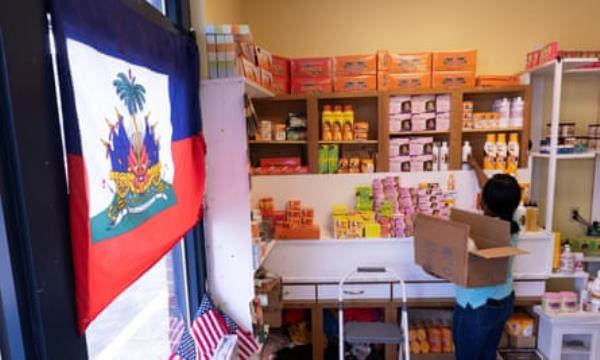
x=145, y=321
x=159, y=5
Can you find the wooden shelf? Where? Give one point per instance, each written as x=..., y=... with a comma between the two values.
x=275, y=142
x=417, y=133
x=494, y=90
x=478, y=131
x=352, y=142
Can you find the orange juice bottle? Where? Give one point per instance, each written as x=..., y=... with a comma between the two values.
x=327, y=123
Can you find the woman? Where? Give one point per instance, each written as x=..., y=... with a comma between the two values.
x=480, y=313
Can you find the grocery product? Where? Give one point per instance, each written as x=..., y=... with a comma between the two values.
x=497, y=80
x=551, y=302
x=504, y=110
x=594, y=130
x=455, y=61
x=436, y=157
x=280, y=85
x=311, y=68
x=532, y=214
x=279, y=132
x=338, y=120
x=355, y=65
x=348, y=123
x=355, y=83
x=409, y=63
x=512, y=163
x=264, y=58
x=367, y=166
x=516, y=113
x=567, y=262
x=324, y=159
x=354, y=166
x=442, y=121
x=489, y=155
x=468, y=115
x=343, y=166
x=466, y=153
x=501, y=152
x=296, y=127
x=280, y=66
x=423, y=121
x=400, y=104
x=520, y=324
x=453, y=79
x=333, y=156
x=361, y=130
x=434, y=335
x=310, y=85
x=393, y=82
x=423, y=104
x=569, y=301
x=442, y=103
x=266, y=130
x=578, y=258
x=444, y=156
x=327, y=123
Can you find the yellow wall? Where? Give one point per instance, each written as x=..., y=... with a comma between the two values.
x=502, y=30
x=222, y=11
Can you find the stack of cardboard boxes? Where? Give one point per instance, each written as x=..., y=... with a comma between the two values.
x=311, y=75
x=355, y=73
x=403, y=71
x=454, y=69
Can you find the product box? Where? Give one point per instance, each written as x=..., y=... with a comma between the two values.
x=281, y=161
x=400, y=123
x=442, y=103
x=441, y=248
x=247, y=69
x=497, y=80
x=522, y=342
x=211, y=54
x=355, y=83
x=442, y=121
x=268, y=291
x=400, y=164
x=422, y=104
x=400, y=104
x=382, y=61
x=264, y=59
x=225, y=55
x=421, y=163
x=453, y=79
x=266, y=78
x=280, y=66
x=247, y=50
x=421, y=146
x=311, y=68
x=404, y=81
x=300, y=232
x=409, y=63
x=455, y=61
x=549, y=52
x=355, y=65
x=424, y=121
x=399, y=147
x=311, y=85
x=280, y=85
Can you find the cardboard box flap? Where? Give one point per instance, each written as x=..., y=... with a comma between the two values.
x=499, y=252
x=486, y=231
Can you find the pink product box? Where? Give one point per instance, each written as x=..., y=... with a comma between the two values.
x=400, y=104
x=442, y=103
x=421, y=146
x=423, y=121
x=422, y=104
x=421, y=163
x=432, y=205
x=400, y=164
x=426, y=199
x=400, y=123
x=442, y=121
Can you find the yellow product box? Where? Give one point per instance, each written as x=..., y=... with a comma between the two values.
x=372, y=229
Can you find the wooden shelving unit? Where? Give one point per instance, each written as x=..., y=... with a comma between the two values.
x=373, y=106
x=275, y=142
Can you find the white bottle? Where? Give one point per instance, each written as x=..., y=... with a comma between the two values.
x=466, y=152
x=444, y=157
x=504, y=110
x=567, y=261
x=516, y=113
x=436, y=157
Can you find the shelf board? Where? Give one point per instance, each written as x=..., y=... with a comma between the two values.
x=569, y=64
x=572, y=350
x=348, y=95
x=256, y=91
x=582, y=156
x=577, y=275
x=416, y=133
x=580, y=317
x=274, y=142
x=592, y=259
x=478, y=131
x=353, y=142
x=494, y=90
x=594, y=70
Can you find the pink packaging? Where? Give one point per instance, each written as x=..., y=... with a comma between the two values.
x=423, y=121
x=400, y=123
x=421, y=146
x=400, y=104
x=442, y=103
x=400, y=164
x=569, y=301
x=442, y=121
x=422, y=104
x=421, y=163
x=552, y=302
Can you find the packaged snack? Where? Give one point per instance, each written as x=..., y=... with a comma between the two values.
x=343, y=166
x=354, y=167
x=453, y=79
x=266, y=130
x=280, y=85
x=409, y=63
x=279, y=132
x=355, y=65
x=324, y=159
x=367, y=166
x=334, y=153
x=280, y=66
x=355, y=83
x=361, y=130
x=311, y=85
x=404, y=81
x=264, y=59
x=311, y=68
x=455, y=61
x=422, y=104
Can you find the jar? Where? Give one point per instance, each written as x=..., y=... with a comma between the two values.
x=551, y=302
x=568, y=301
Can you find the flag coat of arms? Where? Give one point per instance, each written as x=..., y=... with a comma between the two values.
x=135, y=153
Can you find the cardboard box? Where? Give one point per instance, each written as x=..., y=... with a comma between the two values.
x=311, y=68
x=211, y=54
x=247, y=50
x=455, y=61
x=355, y=83
x=269, y=292
x=422, y=104
x=409, y=63
x=264, y=59
x=311, y=85
x=400, y=164
x=522, y=342
x=301, y=232
x=497, y=80
x=225, y=56
x=441, y=248
x=453, y=79
x=280, y=66
x=355, y=65
x=388, y=81
x=280, y=85
x=266, y=78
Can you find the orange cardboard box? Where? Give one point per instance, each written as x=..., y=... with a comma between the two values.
x=264, y=59
x=246, y=50
x=497, y=80
x=281, y=66
x=280, y=85
x=409, y=63
x=453, y=79
x=311, y=67
x=383, y=60
x=266, y=78
x=455, y=60
x=404, y=81
x=355, y=65
x=249, y=70
x=355, y=83
x=311, y=85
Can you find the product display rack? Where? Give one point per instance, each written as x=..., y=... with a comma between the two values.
x=373, y=106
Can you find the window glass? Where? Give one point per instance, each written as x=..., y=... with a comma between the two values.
x=159, y=5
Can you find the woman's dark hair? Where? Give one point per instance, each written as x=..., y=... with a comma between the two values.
x=501, y=196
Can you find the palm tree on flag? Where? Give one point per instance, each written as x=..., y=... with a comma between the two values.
x=132, y=94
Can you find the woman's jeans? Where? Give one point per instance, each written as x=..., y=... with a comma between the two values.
x=477, y=332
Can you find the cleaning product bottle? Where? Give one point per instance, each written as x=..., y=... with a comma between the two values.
x=512, y=163
x=489, y=152
x=504, y=110
x=348, y=123
x=516, y=113
x=466, y=152
x=327, y=123
x=436, y=157
x=444, y=157
x=338, y=120
x=501, y=152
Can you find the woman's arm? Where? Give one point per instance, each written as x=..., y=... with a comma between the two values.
x=482, y=178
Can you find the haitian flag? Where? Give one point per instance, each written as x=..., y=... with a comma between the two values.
x=130, y=102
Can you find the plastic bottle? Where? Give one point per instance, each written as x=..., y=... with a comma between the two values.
x=338, y=120
x=327, y=123
x=489, y=152
x=466, y=152
x=436, y=157
x=504, y=110
x=512, y=163
x=501, y=152
x=348, y=123
x=444, y=157
x=516, y=113
x=567, y=263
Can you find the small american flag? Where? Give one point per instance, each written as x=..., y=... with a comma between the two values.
x=208, y=328
x=246, y=344
x=176, y=330
x=186, y=350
